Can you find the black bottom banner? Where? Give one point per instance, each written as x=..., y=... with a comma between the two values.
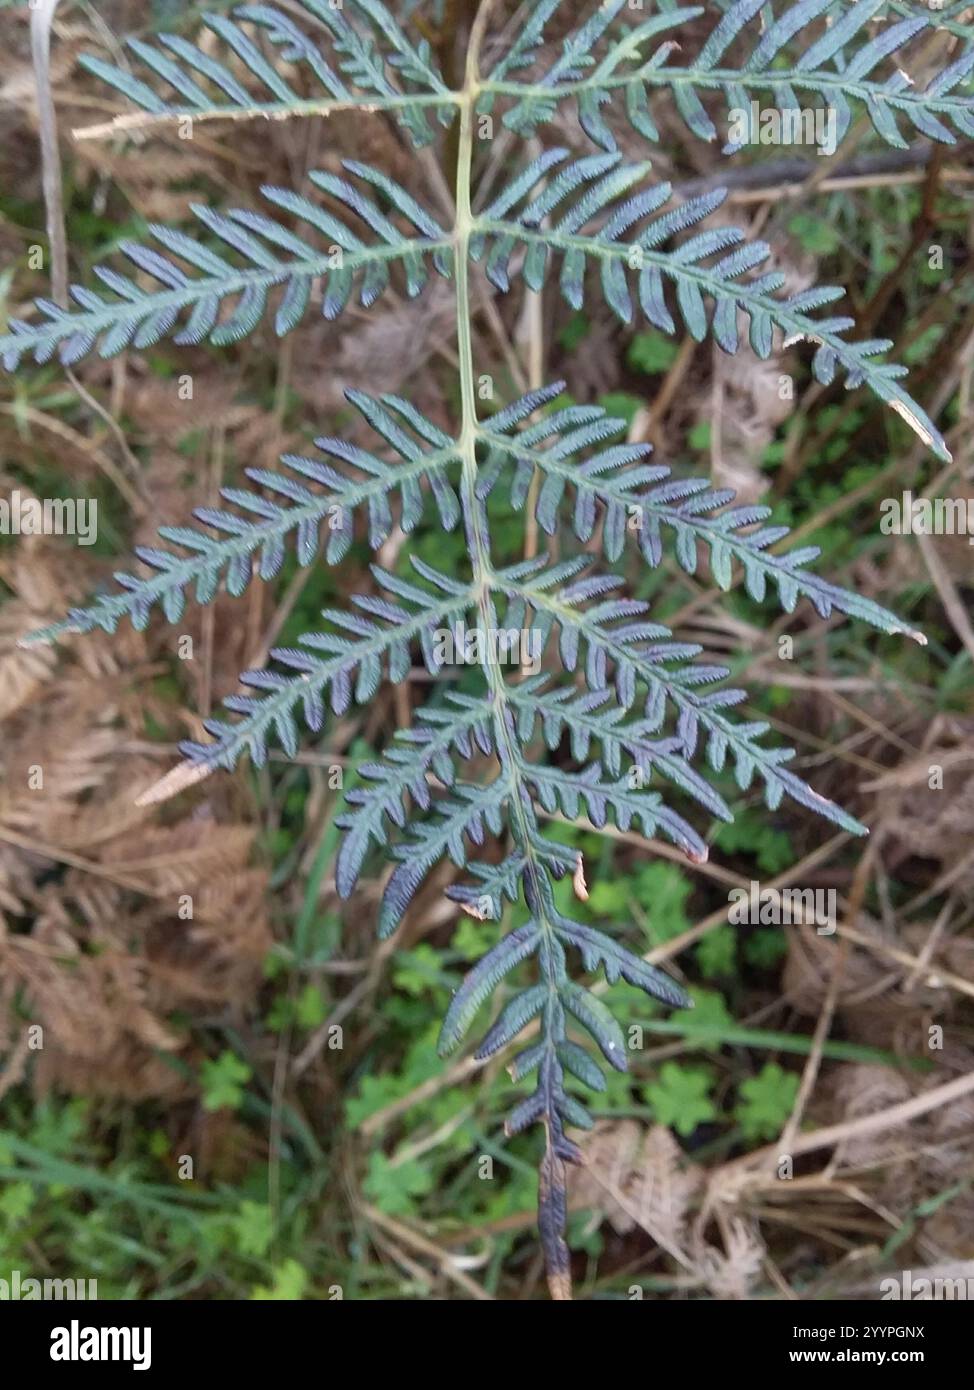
x=170, y=1339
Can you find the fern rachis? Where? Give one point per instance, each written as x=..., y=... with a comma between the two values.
x=633, y=696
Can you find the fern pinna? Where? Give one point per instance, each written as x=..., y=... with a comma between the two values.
x=629, y=697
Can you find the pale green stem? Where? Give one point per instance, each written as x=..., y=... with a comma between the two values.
x=475, y=514
x=551, y=957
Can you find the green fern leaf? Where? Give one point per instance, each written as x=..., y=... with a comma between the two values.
x=134, y=316
x=405, y=769
x=378, y=68
x=355, y=649
x=252, y=539
x=469, y=813
x=637, y=501
x=836, y=66
x=691, y=268
x=607, y=638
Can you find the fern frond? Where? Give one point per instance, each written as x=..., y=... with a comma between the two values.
x=368, y=65
x=413, y=62
x=700, y=269
x=406, y=768
x=495, y=884
x=345, y=661
x=835, y=64
x=263, y=254
x=558, y=1003
x=468, y=813
x=639, y=654
x=948, y=18
x=637, y=700
x=586, y=793
x=621, y=744
x=310, y=498
x=598, y=950
x=480, y=983
x=637, y=501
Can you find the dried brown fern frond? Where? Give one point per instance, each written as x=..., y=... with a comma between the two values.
x=732, y=1273
x=927, y=804
x=636, y=1177
x=111, y=928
